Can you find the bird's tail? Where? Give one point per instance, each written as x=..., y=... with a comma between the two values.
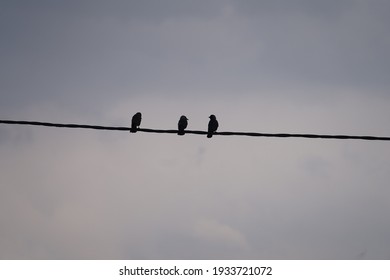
x=209, y=135
x=181, y=132
x=133, y=129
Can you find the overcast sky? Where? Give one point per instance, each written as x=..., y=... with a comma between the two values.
x=293, y=66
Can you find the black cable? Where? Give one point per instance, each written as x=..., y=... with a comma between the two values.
x=253, y=134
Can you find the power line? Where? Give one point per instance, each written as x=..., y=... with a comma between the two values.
x=226, y=133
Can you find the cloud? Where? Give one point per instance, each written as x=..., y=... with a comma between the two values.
x=73, y=52
x=280, y=66
x=215, y=232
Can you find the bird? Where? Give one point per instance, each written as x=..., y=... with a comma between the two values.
x=182, y=124
x=213, y=126
x=135, y=122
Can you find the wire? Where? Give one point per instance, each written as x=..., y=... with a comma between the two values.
x=253, y=134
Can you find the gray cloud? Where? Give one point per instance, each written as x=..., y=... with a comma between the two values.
x=269, y=66
x=74, y=51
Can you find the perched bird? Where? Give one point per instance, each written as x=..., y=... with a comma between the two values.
x=213, y=126
x=136, y=122
x=183, y=122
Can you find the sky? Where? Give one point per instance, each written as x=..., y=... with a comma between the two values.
x=280, y=66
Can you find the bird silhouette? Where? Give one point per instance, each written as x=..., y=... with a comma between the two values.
x=135, y=122
x=213, y=126
x=182, y=124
